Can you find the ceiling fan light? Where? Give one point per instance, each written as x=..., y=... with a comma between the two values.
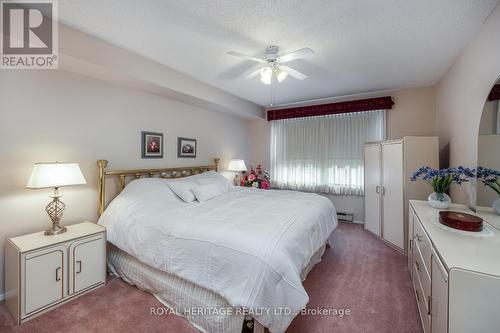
x=266, y=71
x=281, y=75
x=266, y=79
x=266, y=74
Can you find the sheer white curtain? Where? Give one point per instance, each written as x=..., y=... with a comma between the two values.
x=323, y=154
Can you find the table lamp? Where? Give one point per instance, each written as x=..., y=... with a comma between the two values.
x=55, y=175
x=236, y=166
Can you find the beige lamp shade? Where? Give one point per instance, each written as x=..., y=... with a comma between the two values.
x=56, y=174
x=237, y=165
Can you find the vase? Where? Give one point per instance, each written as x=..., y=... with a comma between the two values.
x=439, y=200
x=496, y=205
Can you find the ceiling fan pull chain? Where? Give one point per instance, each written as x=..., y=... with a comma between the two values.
x=274, y=94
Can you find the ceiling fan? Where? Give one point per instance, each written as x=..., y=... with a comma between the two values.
x=272, y=64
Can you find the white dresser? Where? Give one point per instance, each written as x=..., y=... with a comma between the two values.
x=42, y=272
x=455, y=274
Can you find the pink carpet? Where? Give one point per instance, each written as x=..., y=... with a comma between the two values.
x=359, y=273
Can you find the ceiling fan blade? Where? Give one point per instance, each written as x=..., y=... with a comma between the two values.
x=292, y=72
x=295, y=55
x=241, y=55
x=255, y=70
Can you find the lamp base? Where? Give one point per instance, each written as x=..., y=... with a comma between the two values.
x=237, y=179
x=55, y=210
x=55, y=230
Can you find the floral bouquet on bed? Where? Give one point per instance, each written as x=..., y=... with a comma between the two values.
x=441, y=180
x=257, y=178
x=490, y=178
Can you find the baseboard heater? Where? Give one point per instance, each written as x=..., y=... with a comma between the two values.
x=345, y=217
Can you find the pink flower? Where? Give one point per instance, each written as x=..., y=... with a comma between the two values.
x=265, y=185
x=251, y=177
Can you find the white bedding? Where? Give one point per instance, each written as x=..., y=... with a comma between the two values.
x=247, y=245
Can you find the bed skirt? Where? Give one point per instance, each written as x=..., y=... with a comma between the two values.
x=183, y=297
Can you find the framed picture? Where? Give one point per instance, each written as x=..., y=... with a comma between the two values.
x=151, y=145
x=186, y=147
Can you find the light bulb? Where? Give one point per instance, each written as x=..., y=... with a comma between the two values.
x=266, y=74
x=266, y=79
x=281, y=75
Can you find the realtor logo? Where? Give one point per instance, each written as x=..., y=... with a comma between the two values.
x=29, y=37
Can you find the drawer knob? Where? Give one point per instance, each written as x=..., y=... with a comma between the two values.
x=79, y=262
x=418, y=237
x=417, y=265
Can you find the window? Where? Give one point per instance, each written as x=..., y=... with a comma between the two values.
x=323, y=154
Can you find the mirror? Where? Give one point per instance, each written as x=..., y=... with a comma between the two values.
x=488, y=164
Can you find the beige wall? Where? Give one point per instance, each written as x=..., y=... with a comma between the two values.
x=260, y=134
x=55, y=115
x=414, y=113
x=461, y=94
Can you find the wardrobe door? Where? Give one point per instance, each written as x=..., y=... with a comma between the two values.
x=392, y=194
x=372, y=188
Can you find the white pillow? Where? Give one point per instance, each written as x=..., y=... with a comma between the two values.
x=204, y=192
x=184, y=189
x=212, y=176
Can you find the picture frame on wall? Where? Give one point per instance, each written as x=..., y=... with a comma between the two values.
x=151, y=145
x=186, y=147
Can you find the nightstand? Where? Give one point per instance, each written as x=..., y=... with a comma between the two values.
x=42, y=272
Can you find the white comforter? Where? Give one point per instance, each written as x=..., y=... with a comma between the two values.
x=247, y=245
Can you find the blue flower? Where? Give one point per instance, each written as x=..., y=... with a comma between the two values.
x=441, y=179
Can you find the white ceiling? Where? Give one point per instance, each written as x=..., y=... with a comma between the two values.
x=361, y=46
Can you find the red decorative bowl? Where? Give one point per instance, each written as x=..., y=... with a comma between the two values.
x=461, y=221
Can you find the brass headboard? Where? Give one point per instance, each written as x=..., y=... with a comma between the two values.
x=123, y=175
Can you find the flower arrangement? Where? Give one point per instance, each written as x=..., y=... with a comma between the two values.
x=256, y=178
x=489, y=177
x=441, y=180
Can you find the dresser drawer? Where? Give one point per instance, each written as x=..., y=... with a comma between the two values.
x=424, y=244
x=421, y=302
x=424, y=275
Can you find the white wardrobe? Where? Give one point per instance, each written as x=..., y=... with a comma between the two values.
x=388, y=189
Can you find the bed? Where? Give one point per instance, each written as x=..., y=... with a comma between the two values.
x=243, y=253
